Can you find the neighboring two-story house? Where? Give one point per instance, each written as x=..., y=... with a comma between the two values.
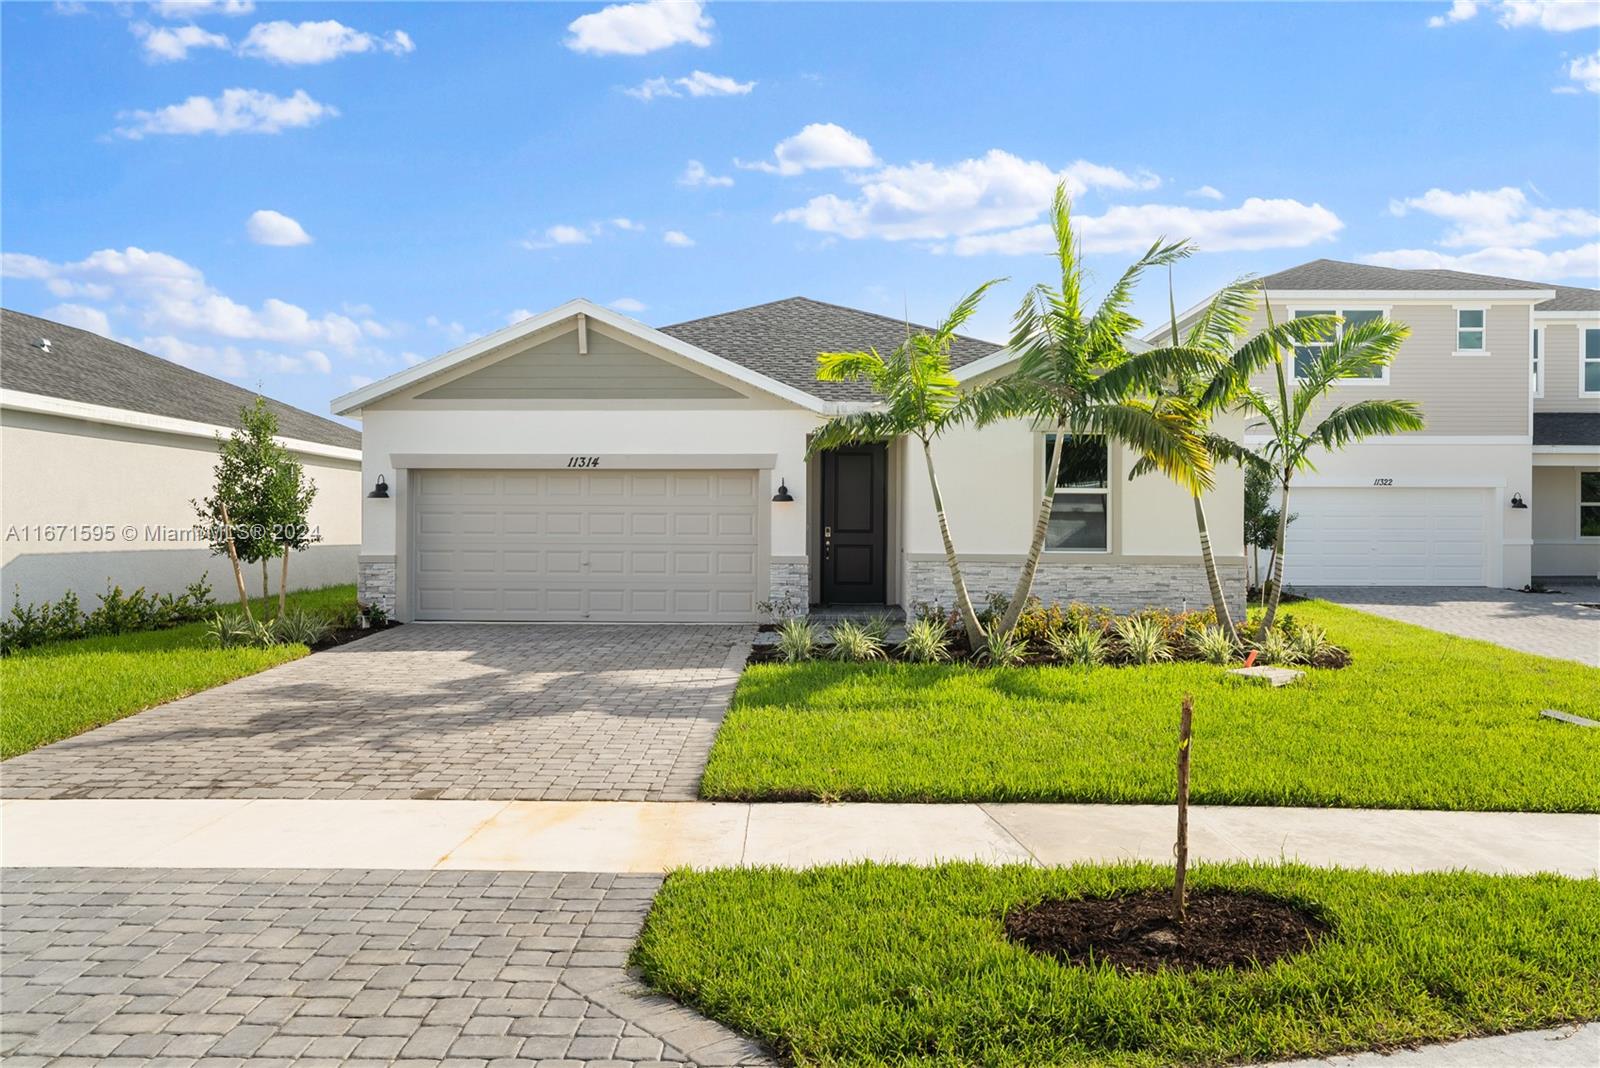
x=1503, y=486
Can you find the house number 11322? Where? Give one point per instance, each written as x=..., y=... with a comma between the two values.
x=583, y=461
x=1383, y=482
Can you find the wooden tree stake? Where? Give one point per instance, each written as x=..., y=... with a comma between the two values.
x=233, y=556
x=1181, y=850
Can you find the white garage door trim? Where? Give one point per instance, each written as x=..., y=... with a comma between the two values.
x=678, y=545
x=1412, y=535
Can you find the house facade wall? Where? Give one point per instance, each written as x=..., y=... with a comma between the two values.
x=1558, y=549
x=121, y=481
x=1562, y=390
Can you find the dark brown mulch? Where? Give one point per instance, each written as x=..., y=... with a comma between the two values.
x=1224, y=929
x=346, y=635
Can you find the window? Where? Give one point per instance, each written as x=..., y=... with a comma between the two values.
x=1589, y=502
x=1305, y=355
x=1078, y=516
x=1590, y=363
x=1470, y=333
x=1538, y=361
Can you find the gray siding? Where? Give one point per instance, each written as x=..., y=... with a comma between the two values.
x=1561, y=393
x=555, y=370
x=1459, y=395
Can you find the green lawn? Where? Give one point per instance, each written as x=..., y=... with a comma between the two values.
x=869, y=965
x=55, y=691
x=1419, y=720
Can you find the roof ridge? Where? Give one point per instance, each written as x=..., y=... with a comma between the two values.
x=825, y=304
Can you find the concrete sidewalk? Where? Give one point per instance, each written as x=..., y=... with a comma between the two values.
x=656, y=836
x=1561, y=1047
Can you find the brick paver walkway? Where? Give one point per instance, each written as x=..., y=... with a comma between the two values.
x=359, y=968
x=427, y=711
x=1547, y=624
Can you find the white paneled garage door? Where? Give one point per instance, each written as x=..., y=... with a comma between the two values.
x=1388, y=536
x=594, y=545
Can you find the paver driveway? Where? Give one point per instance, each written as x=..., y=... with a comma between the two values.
x=357, y=968
x=427, y=711
x=1548, y=624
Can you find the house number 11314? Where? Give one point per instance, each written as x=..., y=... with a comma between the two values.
x=583, y=461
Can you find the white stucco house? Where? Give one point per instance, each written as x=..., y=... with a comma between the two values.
x=102, y=448
x=1502, y=487
x=580, y=465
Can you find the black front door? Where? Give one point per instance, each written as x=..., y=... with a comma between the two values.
x=854, y=524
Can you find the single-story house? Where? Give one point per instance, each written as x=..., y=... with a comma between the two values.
x=102, y=449
x=580, y=465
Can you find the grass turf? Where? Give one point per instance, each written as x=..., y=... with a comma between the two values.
x=1419, y=720
x=868, y=965
x=56, y=691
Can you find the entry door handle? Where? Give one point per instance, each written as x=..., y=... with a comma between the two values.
x=827, y=542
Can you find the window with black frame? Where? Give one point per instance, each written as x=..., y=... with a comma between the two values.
x=1080, y=512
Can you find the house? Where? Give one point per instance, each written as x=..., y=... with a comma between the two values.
x=580, y=465
x=102, y=448
x=1503, y=485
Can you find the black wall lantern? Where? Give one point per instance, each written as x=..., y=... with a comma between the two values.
x=381, y=490
x=1517, y=501
x=782, y=496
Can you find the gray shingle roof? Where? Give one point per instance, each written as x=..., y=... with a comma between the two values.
x=85, y=367
x=1566, y=428
x=1335, y=275
x=781, y=340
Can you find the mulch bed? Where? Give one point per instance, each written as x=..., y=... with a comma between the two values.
x=1135, y=932
x=346, y=635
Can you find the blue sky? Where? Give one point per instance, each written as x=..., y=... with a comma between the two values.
x=306, y=197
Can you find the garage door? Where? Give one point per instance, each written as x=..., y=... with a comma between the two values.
x=584, y=545
x=1388, y=536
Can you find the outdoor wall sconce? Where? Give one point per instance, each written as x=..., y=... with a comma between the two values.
x=381, y=490
x=1517, y=501
x=783, y=496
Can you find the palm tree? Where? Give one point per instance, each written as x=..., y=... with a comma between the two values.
x=920, y=398
x=1286, y=414
x=1074, y=374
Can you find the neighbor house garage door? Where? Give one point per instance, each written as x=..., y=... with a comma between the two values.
x=584, y=545
x=1388, y=536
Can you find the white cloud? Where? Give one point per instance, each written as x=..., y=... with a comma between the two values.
x=559, y=234
x=234, y=111
x=1254, y=225
x=1205, y=192
x=167, y=44
x=357, y=381
x=1585, y=70
x=1581, y=262
x=628, y=305
x=1497, y=217
x=318, y=361
x=698, y=83
x=627, y=224
x=185, y=9
x=268, y=227
x=818, y=146
x=168, y=294
x=518, y=315
x=1556, y=16
x=1460, y=11
x=677, y=239
x=223, y=361
x=305, y=43
x=81, y=316
x=637, y=29
x=924, y=201
x=696, y=175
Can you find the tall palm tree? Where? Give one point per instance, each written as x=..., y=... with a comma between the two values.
x=920, y=399
x=1074, y=374
x=1286, y=413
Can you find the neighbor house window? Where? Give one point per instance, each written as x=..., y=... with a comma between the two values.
x=1306, y=355
x=1538, y=361
x=1589, y=503
x=1080, y=511
x=1470, y=335
x=1590, y=364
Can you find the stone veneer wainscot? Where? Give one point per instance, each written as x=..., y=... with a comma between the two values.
x=1119, y=586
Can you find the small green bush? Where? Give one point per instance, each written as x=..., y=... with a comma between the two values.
x=1144, y=638
x=229, y=630
x=797, y=640
x=927, y=641
x=1003, y=650
x=1276, y=647
x=1083, y=645
x=1213, y=645
x=853, y=642
x=880, y=625
x=300, y=627
x=118, y=613
x=1310, y=642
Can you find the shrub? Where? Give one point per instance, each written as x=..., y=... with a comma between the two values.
x=122, y=613
x=299, y=627
x=1003, y=650
x=779, y=608
x=880, y=625
x=229, y=630
x=1039, y=622
x=1213, y=645
x=853, y=642
x=1276, y=647
x=375, y=614
x=927, y=641
x=1310, y=642
x=994, y=610
x=1144, y=639
x=797, y=640
x=1083, y=645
